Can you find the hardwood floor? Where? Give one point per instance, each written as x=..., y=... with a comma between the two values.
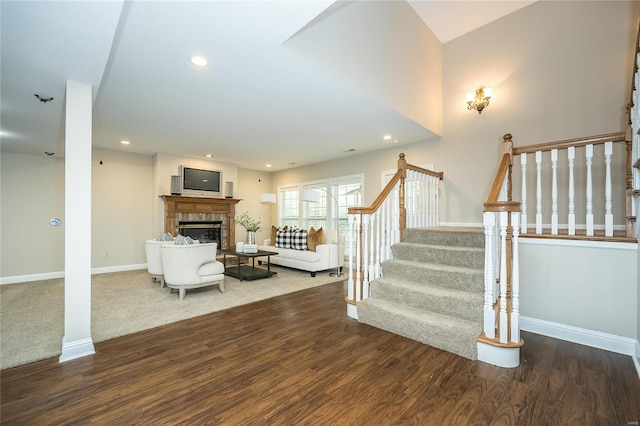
x=299, y=360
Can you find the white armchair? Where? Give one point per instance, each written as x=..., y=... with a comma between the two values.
x=191, y=266
x=154, y=261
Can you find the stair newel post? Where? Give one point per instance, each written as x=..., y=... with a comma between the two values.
x=515, y=281
x=402, y=167
x=489, y=278
x=503, y=323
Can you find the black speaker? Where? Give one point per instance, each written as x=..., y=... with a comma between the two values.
x=176, y=185
x=228, y=190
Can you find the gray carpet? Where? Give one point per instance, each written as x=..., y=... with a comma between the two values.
x=32, y=314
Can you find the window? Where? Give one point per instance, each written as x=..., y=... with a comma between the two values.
x=336, y=196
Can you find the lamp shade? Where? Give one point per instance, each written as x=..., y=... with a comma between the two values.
x=268, y=198
x=310, y=196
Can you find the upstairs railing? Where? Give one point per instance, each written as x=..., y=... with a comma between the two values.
x=581, y=190
x=410, y=199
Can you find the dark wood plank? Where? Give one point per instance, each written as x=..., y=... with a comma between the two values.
x=298, y=359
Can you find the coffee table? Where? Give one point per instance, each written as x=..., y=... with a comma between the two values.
x=246, y=272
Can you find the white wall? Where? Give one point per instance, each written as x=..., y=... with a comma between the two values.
x=581, y=284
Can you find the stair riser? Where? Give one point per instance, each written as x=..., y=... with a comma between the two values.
x=467, y=306
x=421, y=273
x=444, y=238
x=443, y=336
x=471, y=258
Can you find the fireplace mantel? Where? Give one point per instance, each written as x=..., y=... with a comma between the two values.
x=175, y=205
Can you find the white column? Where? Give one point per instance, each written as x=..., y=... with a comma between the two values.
x=538, y=192
x=77, y=341
x=608, y=214
x=571, y=154
x=589, y=157
x=554, y=192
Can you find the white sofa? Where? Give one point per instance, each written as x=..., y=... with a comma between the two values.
x=325, y=257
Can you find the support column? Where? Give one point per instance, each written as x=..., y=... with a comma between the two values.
x=77, y=341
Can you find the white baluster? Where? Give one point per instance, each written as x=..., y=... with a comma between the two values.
x=436, y=201
x=523, y=163
x=358, y=224
x=352, y=238
x=489, y=279
x=504, y=322
x=554, y=192
x=379, y=225
x=372, y=245
x=365, y=253
x=571, y=154
x=608, y=215
x=589, y=157
x=515, y=282
x=384, y=238
x=538, y=192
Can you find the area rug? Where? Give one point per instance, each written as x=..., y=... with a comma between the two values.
x=32, y=314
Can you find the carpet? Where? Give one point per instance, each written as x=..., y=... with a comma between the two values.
x=32, y=314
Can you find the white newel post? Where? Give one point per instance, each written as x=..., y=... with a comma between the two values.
x=489, y=278
x=504, y=329
x=350, y=284
x=77, y=341
x=365, y=253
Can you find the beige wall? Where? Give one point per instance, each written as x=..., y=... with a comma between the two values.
x=559, y=70
x=32, y=193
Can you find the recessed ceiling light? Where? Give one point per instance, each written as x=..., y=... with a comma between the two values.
x=209, y=155
x=199, y=61
x=395, y=141
x=267, y=165
x=387, y=137
x=125, y=142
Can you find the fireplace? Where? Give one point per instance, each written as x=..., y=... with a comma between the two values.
x=203, y=231
x=214, y=216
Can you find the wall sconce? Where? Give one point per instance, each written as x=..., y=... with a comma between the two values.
x=479, y=100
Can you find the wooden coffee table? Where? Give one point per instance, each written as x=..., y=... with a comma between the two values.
x=247, y=272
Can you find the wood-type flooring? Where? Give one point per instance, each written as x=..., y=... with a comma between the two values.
x=299, y=360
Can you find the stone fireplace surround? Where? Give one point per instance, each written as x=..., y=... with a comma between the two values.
x=180, y=208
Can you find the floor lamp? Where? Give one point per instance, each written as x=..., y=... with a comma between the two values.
x=313, y=196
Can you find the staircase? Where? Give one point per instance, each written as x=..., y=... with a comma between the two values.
x=432, y=290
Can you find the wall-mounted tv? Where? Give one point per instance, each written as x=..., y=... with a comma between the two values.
x=202, y=182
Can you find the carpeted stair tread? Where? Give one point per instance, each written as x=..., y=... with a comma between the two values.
x=450, y=236
x=456, y=277
x=471, y=257
x=460, y=304
x=444, y=332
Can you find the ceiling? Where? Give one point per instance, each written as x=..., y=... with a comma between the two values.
x=259, y=100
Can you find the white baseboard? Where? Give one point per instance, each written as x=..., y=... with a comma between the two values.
x=60, y=274
x=77, y=349
x=595, y=339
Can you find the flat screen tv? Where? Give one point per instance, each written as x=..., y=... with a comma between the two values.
x=207, y=183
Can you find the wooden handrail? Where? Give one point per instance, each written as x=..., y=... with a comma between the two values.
x=590, y=140
x=439, y=175
x=379, y=199
x=503, y=169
